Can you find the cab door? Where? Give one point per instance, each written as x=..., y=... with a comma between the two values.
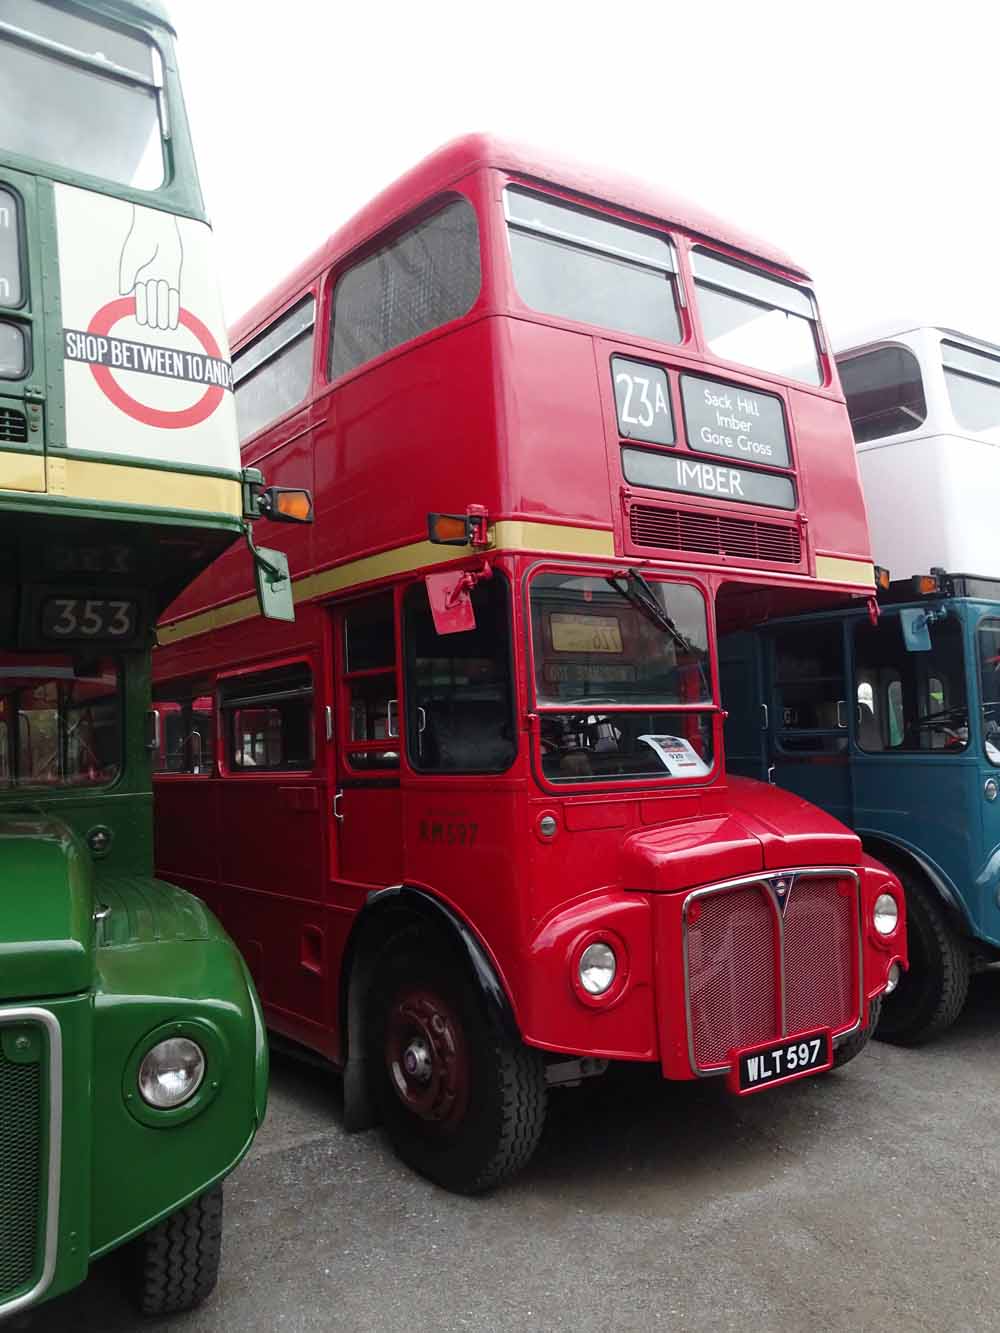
x=915, y=771
x=366, y=815
x=808, y=714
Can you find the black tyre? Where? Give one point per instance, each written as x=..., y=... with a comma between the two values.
x=461, y=1103
x=857, y=1041
x=177, y=1262
x=931, y=995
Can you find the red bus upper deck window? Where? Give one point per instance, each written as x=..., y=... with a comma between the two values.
x=425, y=278
x=750, y=317
x=582, y=265
x=272, y=373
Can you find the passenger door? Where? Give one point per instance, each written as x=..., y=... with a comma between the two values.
x=808, y=714
x=366, y=819
x=270, y=810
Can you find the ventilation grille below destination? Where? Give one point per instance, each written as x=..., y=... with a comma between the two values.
x=683, y=530
x=20, y=1173
x=13, y=426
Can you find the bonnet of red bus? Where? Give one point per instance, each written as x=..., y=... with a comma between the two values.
x=755, y=827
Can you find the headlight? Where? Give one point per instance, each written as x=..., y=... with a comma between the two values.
x=886, y=914
x=171, y=1073
x=598, y=966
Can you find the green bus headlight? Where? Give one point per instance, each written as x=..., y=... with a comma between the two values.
x=171, y=1073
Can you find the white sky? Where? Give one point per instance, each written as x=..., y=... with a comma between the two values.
x=859, y=137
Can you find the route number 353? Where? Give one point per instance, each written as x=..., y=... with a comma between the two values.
x=88, y=618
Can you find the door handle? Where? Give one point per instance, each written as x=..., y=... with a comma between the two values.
x=764, y=717
x=391, y=718
x=337, y=798
x=328, y=715
x=770, y=774
x=842, y=714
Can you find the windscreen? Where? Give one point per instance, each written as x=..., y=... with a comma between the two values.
x=60, y=721
x=757, y=320
x=615, y=659
x=79, y=94
x=989, y=679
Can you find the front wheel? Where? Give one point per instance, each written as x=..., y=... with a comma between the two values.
x=461, y=1103
x=177, y=1262
x=932, y=993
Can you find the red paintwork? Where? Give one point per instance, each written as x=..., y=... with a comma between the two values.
x=514, y=411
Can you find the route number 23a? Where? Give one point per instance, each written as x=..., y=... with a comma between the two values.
x=642, y=400
x=637, y=400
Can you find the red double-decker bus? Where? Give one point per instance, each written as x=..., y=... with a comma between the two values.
x=563, y=431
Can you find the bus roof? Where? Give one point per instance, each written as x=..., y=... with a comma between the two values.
x=456, y=159
x=136, y=11
x=886, y=330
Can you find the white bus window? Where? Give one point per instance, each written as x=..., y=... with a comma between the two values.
x=973, y=381
x=884, y=392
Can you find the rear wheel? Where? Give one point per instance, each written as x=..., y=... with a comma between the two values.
x=177, y=1262
x=932, y=993
x=461, y=1103
x=857, y=1041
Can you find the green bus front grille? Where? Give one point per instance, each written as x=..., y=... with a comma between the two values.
x=21, y=1166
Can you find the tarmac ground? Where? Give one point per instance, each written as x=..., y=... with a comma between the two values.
x=864, y=1199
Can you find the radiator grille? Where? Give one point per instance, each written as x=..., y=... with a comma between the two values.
x=733, y=939
x=821, y=955
x=21, y=1166
x=712, y=534
x=13, y=426
x=732, y=972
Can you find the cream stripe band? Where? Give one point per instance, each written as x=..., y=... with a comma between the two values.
x=506, y=535
x=117, y=483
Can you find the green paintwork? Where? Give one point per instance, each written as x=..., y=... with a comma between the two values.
x=46, y=909
x=115, y=955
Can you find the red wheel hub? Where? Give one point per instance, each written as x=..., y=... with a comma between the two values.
x=427, y=1056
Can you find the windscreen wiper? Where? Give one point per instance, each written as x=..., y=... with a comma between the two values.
x=638, y=593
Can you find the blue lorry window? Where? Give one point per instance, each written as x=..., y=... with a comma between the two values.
x=989, y=678
x=910, y=701
x=810, y=698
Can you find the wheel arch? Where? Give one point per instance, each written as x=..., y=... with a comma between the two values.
x=385, y=914
x=901, y=855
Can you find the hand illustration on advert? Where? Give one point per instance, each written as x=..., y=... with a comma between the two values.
x=151, y=268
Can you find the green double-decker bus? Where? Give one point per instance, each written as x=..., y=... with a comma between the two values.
x=133, y=1063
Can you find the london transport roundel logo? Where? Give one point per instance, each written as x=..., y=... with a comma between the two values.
x=101, y=326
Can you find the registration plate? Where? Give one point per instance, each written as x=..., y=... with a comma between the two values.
x=757, y=1067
